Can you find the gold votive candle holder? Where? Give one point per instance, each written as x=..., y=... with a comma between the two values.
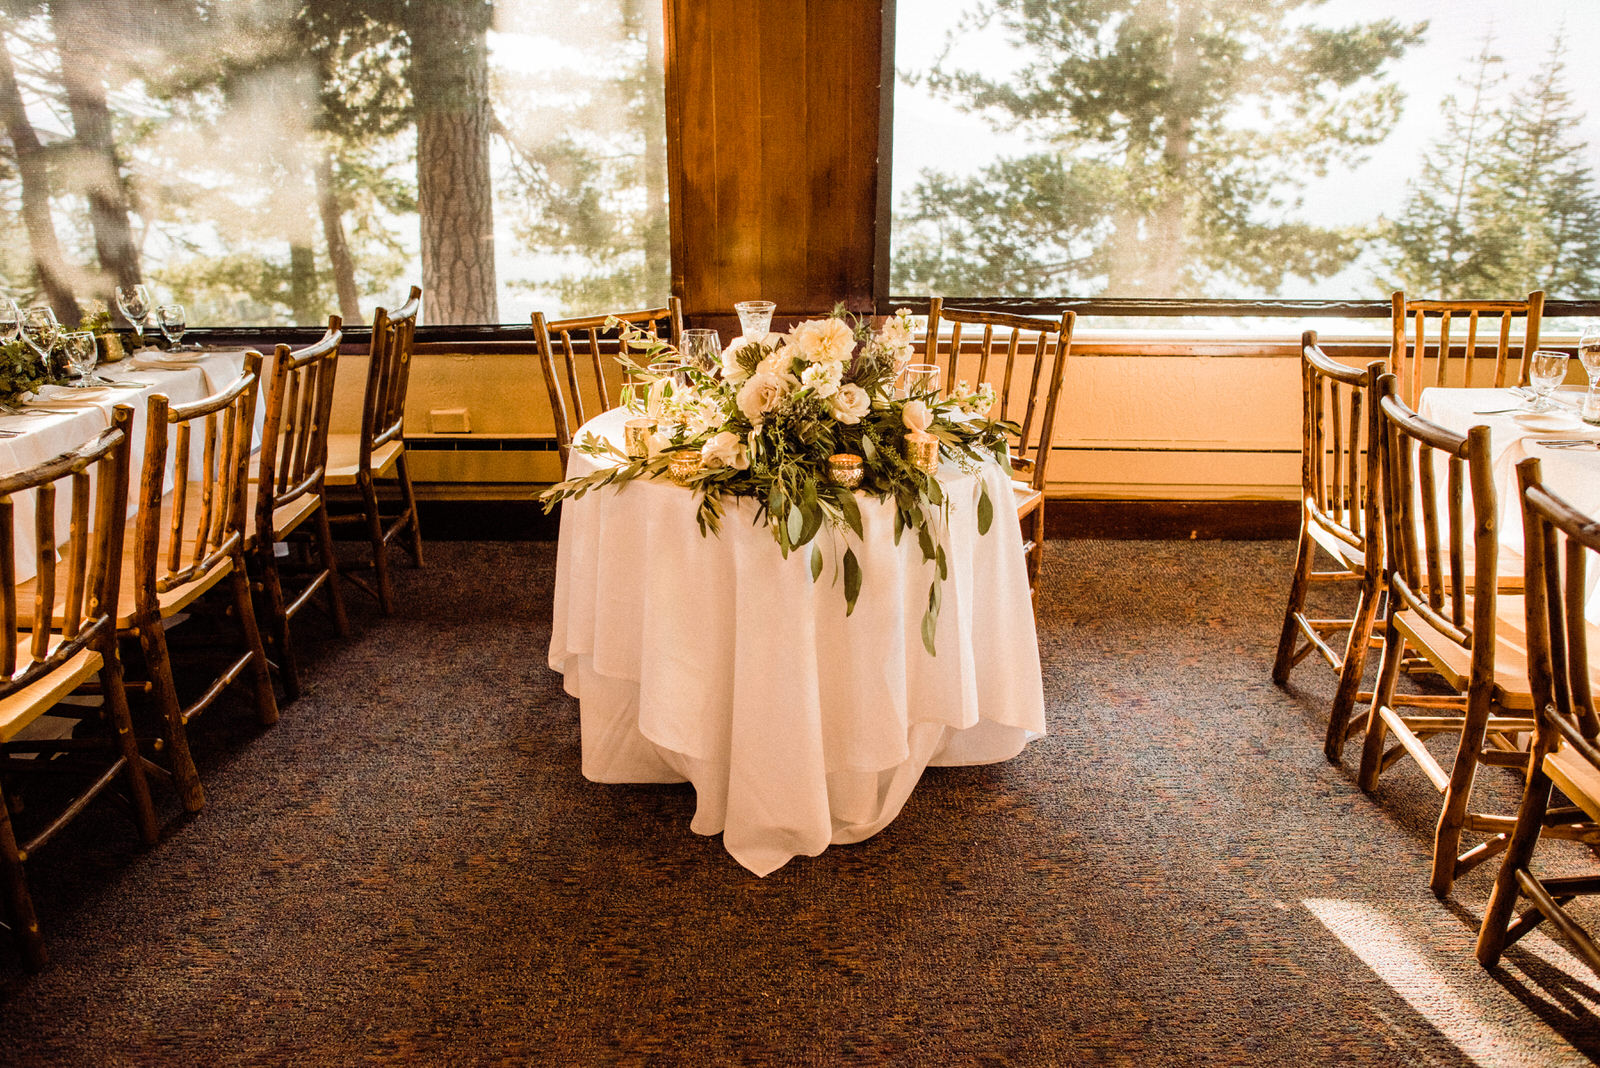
x=845, y=469
x=922, y=451
x=635, y=436
x=683, y=467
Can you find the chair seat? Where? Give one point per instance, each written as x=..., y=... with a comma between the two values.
x=285, y=517
x=1510, y=651
x=1027, y=498
x=1575, y=777
x=344, y=458
x=1352, y=558
x=21, y=708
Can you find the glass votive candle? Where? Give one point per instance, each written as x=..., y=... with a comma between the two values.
x=683, y=467
x=922, y=451
x=845, y=469
x=636, y=437
x=919, y=378
x=755, y=317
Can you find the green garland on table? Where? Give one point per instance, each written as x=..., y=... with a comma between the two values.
x=21, y=371
x=766, y=423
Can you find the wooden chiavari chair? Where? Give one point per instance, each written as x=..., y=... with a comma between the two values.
x=1562, y=548
x=1420, y=325
x=1025, y=359
x=1340, y=513
x=62, y=639
x=287, y=494
x=1442, y=605
x=586, y=343
x=378, y=450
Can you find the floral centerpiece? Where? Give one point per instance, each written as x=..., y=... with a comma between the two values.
x=766, y=423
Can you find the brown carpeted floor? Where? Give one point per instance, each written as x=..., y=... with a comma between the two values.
x=409, y=867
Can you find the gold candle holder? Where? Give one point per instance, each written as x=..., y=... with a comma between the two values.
x=635, y=434
x=683, y=467
x=845, y=469
x=922, y=451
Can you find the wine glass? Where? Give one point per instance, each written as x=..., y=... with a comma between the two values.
x=41, y=331
x=83, y=352
x=134, y=303
x=917, y=379
x=10, y=320
x=702, y=350
x=755, y=317
x=172, y=321
x=1589, y=356
x=1545, y=373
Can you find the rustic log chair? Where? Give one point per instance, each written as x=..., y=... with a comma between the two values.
x=1340, y=513
x=188, y=541
x=293, y=456
x=1430, y=323
x=565, y=345
x=356, y=461
x=1450, y=614
x=1042, y=346
x=1562, y=546
x=69, y=641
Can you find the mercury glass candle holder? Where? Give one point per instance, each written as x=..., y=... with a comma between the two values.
x=636, y=434
x=845, y=469
x=683, y=467
x=922, y=451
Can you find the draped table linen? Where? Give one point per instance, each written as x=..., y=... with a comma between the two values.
x=717, y=661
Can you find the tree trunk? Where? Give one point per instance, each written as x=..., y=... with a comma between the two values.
x=80, y=30
x=34, y=170
x=305, y=308
x=657, y=239
x=344, y=266
x=450, y=84
x=1170, y=224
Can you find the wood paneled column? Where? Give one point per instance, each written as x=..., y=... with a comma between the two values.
x=773, y=151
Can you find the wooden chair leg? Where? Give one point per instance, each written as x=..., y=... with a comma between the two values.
x=1355, y=666
x=1394, y=647
x=410, y=496
x=244, y=607
x=380, y=557
x=341, y=622
x=158, y=662
x=1288, y=638
x=1503, y=898
x=1457, y=795
x=278, y=621
x=19, y=903
x=144, y=812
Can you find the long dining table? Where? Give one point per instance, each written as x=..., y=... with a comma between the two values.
x=717, y=661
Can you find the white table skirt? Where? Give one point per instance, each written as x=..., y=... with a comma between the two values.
x=714, y=660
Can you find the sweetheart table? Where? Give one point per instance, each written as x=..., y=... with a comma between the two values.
x=716, y=661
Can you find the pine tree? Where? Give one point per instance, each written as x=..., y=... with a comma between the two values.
x=1186, y=126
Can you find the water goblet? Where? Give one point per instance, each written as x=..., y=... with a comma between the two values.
x=917, y=379
x=134, y=303
x=755, y=317
x=1589, y=356
x=10, y=320
x=702, y=350
x=173, y=322
x=82, y=354
x=1545, y=373
x=42, y=333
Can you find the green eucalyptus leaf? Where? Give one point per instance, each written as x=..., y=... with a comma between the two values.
x=930, y=623
x=944, y=570
x=935, y=492
x=797, y=523
x=985, y=511
x=850, y=510
x=852, y=581
x=925, y=540
x=899, y=524
x=816, y=562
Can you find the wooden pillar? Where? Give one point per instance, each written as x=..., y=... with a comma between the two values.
x=775, y=129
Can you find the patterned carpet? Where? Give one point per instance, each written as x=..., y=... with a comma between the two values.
x=409, y=867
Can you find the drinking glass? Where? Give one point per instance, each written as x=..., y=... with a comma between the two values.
x=755, y=317
x=134, y=303
x=917, y=379
x=82, y=354
x=1589, y=356
x=41, y=331
x=1544, y=375
x=10, y=320
x=170, y=318
x=702, y=350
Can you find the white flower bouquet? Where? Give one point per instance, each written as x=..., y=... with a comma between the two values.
x=766, y=422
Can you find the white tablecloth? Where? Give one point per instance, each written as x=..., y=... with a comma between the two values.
x=716, y=661
x=42, y=437
x=1571, y=473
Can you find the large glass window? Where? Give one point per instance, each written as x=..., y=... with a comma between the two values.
x=1246, y=149
x=271, y=161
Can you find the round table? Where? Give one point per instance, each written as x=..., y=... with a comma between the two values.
x=715, y=660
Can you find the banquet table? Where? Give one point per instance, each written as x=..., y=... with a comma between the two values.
x=78, y=415
x=717, y=661
x=1572, y=473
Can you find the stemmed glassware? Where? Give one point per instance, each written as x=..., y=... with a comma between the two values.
x=702, y=350
x=82, y=354
x=172, y=321
x=916, y=379
x=1545, y=373
x=755, y=317
x=41, y=331
x=1589, y=356
x=134, y=303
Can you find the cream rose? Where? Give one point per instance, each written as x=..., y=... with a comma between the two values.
x=725, y=450
x=763, y=393
x=849, y=403
x=916, y=417
x=776, y=362
x=823, y=340
x=822, y=378
x=732, y=370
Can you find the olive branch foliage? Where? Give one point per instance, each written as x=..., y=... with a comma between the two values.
x=788, y=478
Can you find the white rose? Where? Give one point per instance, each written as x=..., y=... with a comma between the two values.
x=822, y=378
x=916, y=417
x=850, y=403
x=703, y=416
x=731, y=369
x=763, y=393
x=725, y=450
x=775, y=363
x=823, y=340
